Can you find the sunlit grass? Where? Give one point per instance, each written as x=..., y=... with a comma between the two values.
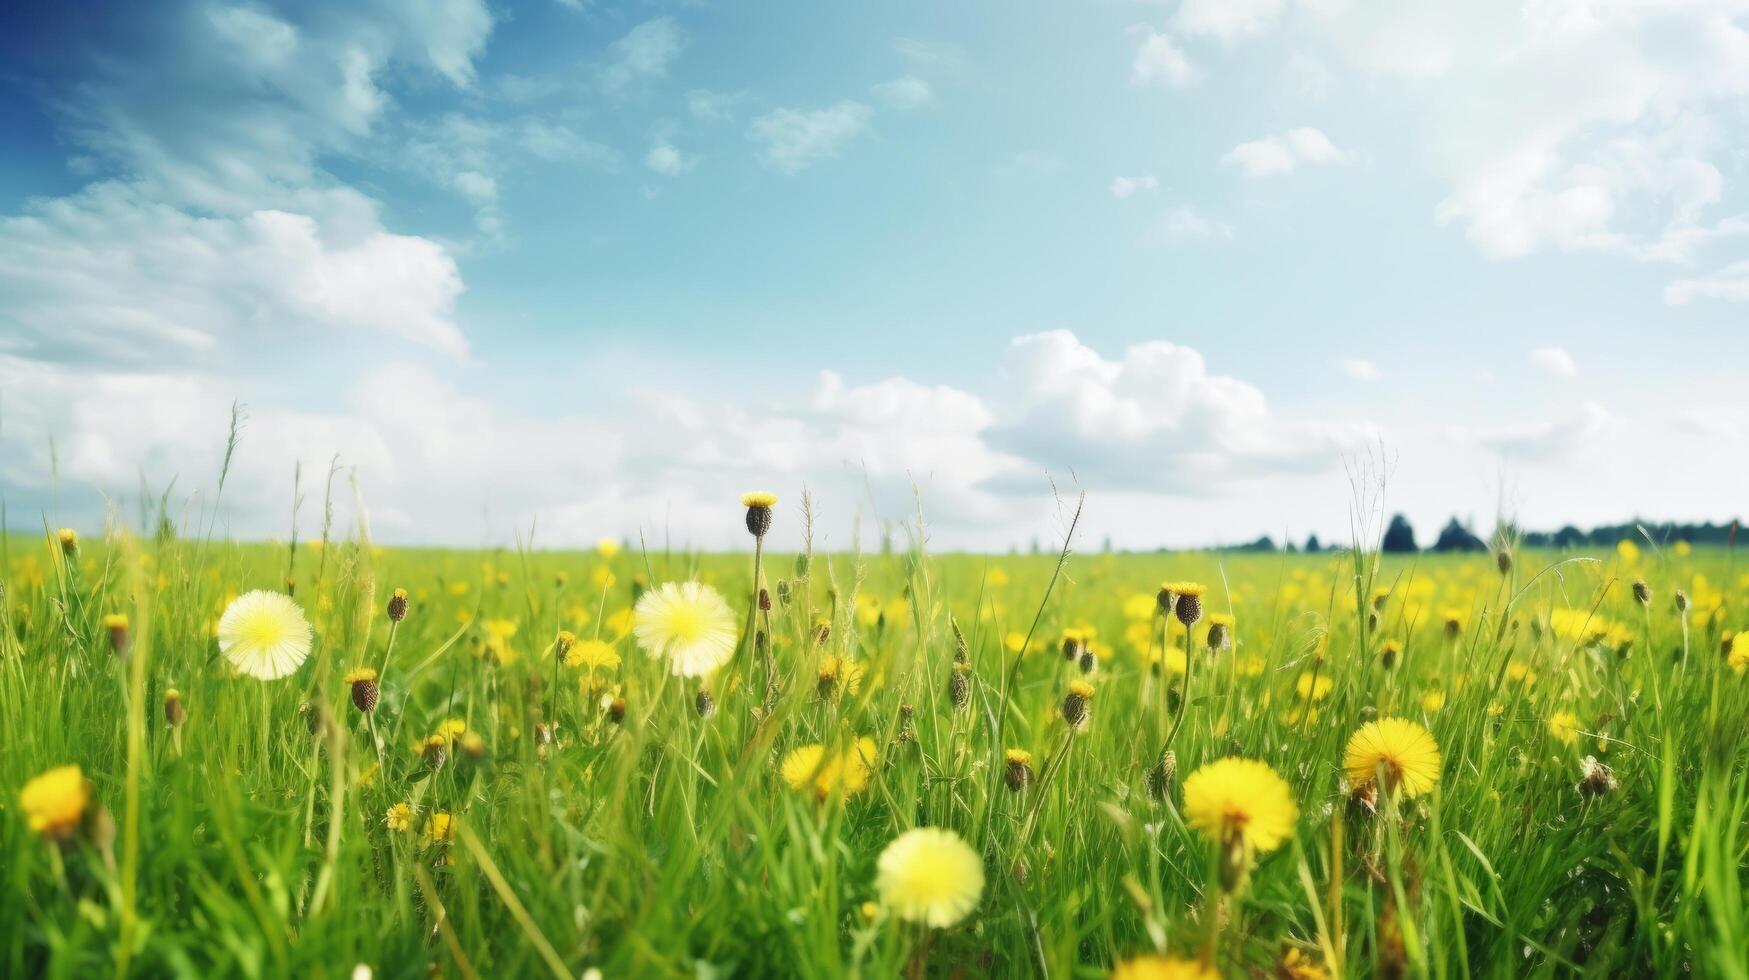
x=520, y=804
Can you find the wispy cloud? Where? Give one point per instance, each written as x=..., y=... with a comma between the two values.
x=791, y=140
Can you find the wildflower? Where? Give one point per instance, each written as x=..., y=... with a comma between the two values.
x=563, y=643
x=1388, y=653
x=1076, y=702
x=398, y=605
x=1188, y=607
x=264, y=634
x=1313, y=687
x=116, y=624
x=1642, y=592
x=616, y=710
x=1432, y=701
x=839, y=675
x=758, y=506
x=1019, y=774
x=704, y=704
x=929, y=875
x=810, y=767
x=1503, y=561
x=1243, y=808
x=473, y=746
x=1165, y=599
x=1595, y=778
x=174, y=713
x=1402, y=750
x=434, y=749
x=363, y=682
x=399, y=818
x=1161, y=774
x=959, y=686
x=607, y=548
x=1074, y=641
x=69, y=541
x=688, y=624
x=592, y=654
x=1220, y=631
x=1564, y=726
x=1737, y=652
x=439, y=827
x=55, y=801
x=1157, y=967
x=1296, y=965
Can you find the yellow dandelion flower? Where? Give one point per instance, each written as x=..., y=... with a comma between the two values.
x=840, y=675
x=55, y=801
x=607, y=548
x=1403, y=750
x=1564, y=726
x=1432, y=701
x=359, y=674
x=688, y=624
x=1240, y=799
x=593, y=655
x=1156, y=967
x=930, y=875
x=1738, y=658
x=810, y=768
x=1313, y=686
x=439, y=826
x=399, y=817
x=265, y=635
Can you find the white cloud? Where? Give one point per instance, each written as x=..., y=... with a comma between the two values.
x=1556, y=361
x=1159, y=60
x=1030, y=163
x=664, y=159
x=645, y=53
x=1730, y=283
x=1277, y=156
x=1227, y=19
x=1571, y=126
x=1309, y=77
x=1360, y=370
x=909, y=92
x=792, y=140
x=714, y=106
x=1155, y=420
x=1187, y=223
x=1560, y=440
x=106, y=274
x=1122, y=187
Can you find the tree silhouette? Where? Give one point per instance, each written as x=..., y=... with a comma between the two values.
x=1399, y=536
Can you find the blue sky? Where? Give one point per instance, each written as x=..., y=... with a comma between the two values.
x=601, y=266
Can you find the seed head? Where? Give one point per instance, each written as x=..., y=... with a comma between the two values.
x=117, y=626
x=69, y=540
x=959, y=686
x=1019, y=774
x=398, y=606
x=1595, y=778
x=704, y=704
x=174, y=712
x=758, y=506
x=1503, y=561
x=1642, y=592
x=1188, y=608
x=1077, y=702
x=363, y=681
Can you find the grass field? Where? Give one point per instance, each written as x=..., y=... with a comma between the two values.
x=563, y=817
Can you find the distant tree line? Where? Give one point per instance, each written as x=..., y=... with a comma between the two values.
x=1399, y=537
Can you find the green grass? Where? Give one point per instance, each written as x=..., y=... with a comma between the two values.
x=668, y=844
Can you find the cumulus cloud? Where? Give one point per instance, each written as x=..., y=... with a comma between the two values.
x=1574, y=127
x=792, y=140
x=1159, y=60
x=645, y=53
x=668, y=161
x=1188, y=224
x=1360, y=370
x=1122, y=187
x=1155, y=419
x=1277, y=156
x=1730, y=283
x=1556, y=361
x=1228, y=19
x=909, y=92
x=1553, y=441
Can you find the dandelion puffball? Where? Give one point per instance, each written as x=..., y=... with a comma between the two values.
x=688, y=624
x=930, y=875
x=265, y=635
